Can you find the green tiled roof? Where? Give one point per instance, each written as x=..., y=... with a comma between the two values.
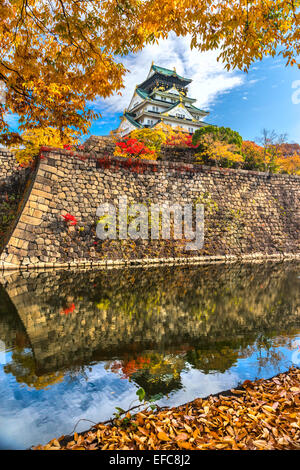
x=173, y=106
x=143, y=94
x=130, y=119
x=198, y=109
x=168, y=72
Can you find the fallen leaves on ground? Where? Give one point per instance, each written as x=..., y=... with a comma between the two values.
x=261, y=415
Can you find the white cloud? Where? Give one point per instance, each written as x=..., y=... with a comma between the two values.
x=210, y=79
x=255, y=80
x=197, y=384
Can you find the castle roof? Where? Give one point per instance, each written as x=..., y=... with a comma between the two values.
x=198, y=109
x=143, y=93
x=166, y=76
x=169, y=73
x=165, y=90
x=147, y=96
x=132, y=120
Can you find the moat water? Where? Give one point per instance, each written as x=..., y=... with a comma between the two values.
x=76, y=345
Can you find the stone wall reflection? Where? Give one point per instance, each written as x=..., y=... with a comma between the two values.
x=147, y=324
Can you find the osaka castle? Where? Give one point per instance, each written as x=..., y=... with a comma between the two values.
x=162, y=98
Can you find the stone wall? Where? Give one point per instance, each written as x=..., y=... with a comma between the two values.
x=11, y=175
x=13, y=181
x=103, y=146
x=123, y=313
x=247, y=214
x=9, y=165
x=177, y=154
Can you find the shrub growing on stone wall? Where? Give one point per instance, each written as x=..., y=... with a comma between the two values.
x=141, y=143
x=180, y=139
x=274, y=159
x=132, y=148
x=253, y=155
x=32, y=140
x=218, y=153
x=218, y=134
x=152, y=138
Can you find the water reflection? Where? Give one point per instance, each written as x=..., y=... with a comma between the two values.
x=80, y=343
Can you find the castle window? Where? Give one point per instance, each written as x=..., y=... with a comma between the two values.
x=191, y=130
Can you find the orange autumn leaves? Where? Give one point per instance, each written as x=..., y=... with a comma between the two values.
x=141, y=144
x=211, y=149
x=58, y=57
x=129, y=367
x=278, y=159
x=262, y=415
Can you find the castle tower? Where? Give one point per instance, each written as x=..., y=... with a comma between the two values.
x=162, y=97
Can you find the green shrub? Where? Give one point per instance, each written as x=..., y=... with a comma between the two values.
x=221, y=134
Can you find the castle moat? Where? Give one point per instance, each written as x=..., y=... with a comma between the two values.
x=77, y=344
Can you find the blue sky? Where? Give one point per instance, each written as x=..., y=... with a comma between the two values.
x=268, y=96
x=247, y=102
x=265, y=99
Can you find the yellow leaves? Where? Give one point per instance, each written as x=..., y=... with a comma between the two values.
x=152, y=138
x=260, y=444
x=50, y=72
x=188, y=428
x=143, y=431
x=185, y=445
x=56, y=443
x=162, y=436
x=231, y=423
x=219, y=152
x=290, y=164
x=52, y=67
x=268, y=408
x=33, y=139
x=182, y=437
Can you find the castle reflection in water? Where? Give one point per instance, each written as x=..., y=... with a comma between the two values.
x=147, y=325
